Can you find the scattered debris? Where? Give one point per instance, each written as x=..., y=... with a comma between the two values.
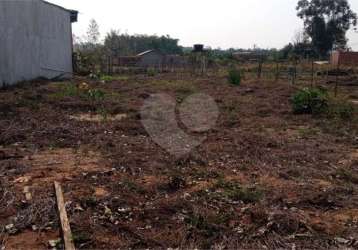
x=107, y=211
x=10, y=228
x=98, y=117
x=342, y=240
x=28, y=195
x=54, y=243
x=23, y=179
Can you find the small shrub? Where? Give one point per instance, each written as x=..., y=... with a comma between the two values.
x=69, y=90
x=234, y=191
x=317, y=101
x=82, y=91
x=310, y=101
x=151, y=72
x=235, y=76
x=95, y=94
x=107, y=78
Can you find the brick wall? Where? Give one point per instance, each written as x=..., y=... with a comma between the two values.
x=344, y=58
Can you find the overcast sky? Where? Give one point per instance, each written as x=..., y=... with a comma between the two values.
x=215, y=23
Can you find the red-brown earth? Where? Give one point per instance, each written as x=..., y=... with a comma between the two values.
x=264, y=177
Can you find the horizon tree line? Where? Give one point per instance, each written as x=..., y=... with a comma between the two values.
x=325, y=24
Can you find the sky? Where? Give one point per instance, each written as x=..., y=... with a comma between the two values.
x=215, y=23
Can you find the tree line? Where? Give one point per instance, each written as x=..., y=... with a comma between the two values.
x=91, y=51
x=116, y=43
x=325, y=24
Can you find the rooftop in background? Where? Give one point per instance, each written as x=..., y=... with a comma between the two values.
x=345, y=58
x=146, y=52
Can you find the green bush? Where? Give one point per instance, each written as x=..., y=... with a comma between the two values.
x=310, y=101
x=234, y=76
x=107, y=78
x=151, y=72
x=234, y=191
x=95, y=94
x=69, y=89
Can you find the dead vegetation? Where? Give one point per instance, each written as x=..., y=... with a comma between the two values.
x=264, y=177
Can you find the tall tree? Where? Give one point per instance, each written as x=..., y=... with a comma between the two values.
x=327, y=22
x=93, y=34
x=90, y=49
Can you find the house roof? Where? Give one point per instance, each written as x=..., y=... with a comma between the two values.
x=146, y=52
x=73, y=13
x=151, y=51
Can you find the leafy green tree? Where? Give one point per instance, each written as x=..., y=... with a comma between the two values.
x=326, y=22
x=286, y=51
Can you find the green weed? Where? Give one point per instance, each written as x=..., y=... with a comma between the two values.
x=94, y=95
x=308, y=132
x=235, y=192
x=234, y=76
x=109, y=78
x=152, y=72
x=310, y=101
x=132, y=186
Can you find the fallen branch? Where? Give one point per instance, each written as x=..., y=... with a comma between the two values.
x=65, y=225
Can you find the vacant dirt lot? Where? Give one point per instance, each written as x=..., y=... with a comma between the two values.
x=263, y=177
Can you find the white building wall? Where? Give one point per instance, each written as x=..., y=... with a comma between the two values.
x=35, y=41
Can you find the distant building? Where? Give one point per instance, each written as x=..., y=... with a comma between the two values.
x=151, y=59
x=35, y=40
x=125, y=61
x=175, y=61
x=344, y=58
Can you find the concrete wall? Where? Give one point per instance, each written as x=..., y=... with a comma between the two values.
x=35, y=41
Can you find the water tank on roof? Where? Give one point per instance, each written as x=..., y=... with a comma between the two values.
x=198, y=48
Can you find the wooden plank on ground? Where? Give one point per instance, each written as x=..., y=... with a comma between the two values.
x=65, y=225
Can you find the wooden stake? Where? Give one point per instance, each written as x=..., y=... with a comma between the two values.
x=65, y=225
x=312, y=73
x=336, y=85
x=259, y=70
x=277, y=71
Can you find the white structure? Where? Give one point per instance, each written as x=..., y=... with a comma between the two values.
x=35, y=40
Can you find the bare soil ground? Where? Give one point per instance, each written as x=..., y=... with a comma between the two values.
x=264, y=177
